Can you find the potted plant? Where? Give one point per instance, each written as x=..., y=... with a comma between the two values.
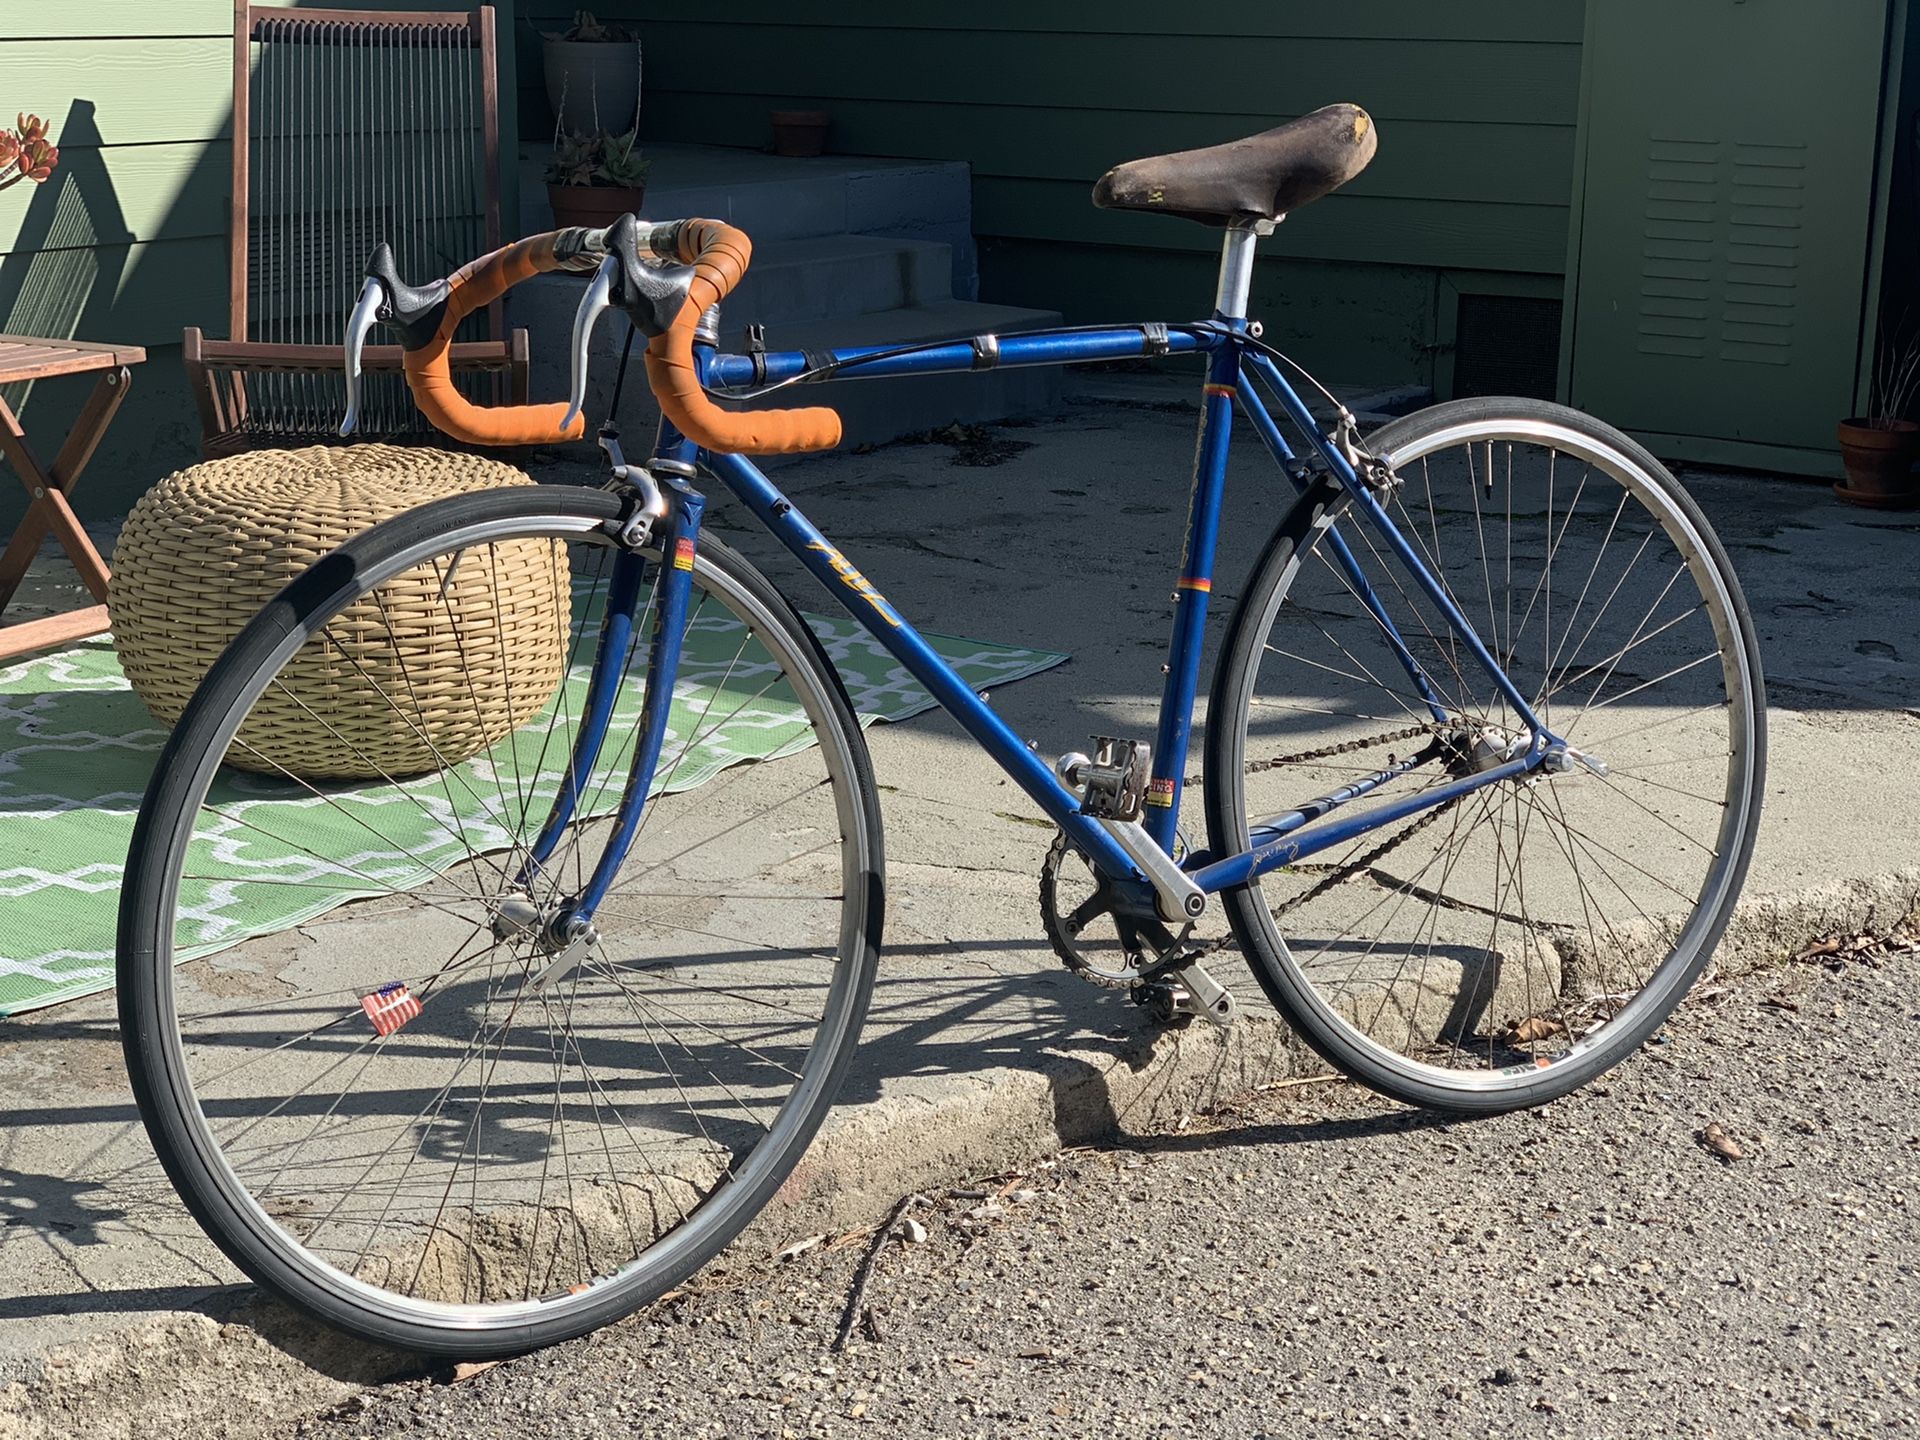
x=595, y=179
x=593, y=76
x=25, y=152
x=1878, y=449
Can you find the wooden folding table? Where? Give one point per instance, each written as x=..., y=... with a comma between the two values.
x=26, y=357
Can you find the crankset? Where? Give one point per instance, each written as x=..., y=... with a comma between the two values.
x=1099, y=940
x=1102, y=944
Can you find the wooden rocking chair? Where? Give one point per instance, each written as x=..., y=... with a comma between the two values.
x=350, y=127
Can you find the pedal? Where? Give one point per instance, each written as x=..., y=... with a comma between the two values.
x=1198, y=993
x=1187, y=992
x=1113, y=782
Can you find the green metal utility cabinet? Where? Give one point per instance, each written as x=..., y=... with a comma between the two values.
x=1731, y=200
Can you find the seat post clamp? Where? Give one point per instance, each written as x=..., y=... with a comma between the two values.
x=1158, y=341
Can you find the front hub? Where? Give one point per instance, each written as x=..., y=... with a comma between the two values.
x=548, y=930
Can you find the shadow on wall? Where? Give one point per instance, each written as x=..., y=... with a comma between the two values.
x=75, y=273
x=71, y=251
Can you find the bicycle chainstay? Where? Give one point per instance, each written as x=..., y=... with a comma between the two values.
x=1365, y=862
x=1183, y=955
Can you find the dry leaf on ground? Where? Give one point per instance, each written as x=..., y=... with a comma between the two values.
x=1533, y=1028
x=1720, y=1143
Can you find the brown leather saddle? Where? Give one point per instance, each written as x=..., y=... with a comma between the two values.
x=1262, y=177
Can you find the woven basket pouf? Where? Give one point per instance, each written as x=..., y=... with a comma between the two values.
x=413, y=678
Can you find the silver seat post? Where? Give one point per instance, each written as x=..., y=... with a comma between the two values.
x=1236, y=268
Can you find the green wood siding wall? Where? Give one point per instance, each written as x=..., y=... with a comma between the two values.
x=1477, y=103
x=128, y=240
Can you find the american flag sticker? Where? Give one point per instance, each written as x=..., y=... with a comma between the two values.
x=390, y=1007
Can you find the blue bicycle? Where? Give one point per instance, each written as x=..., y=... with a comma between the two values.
x=573, y=986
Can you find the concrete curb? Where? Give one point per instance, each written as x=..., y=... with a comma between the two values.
x=247, y=1365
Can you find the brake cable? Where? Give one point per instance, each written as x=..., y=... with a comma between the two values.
x=620, y=378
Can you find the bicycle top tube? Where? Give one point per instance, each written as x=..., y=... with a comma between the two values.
x=1065, y=346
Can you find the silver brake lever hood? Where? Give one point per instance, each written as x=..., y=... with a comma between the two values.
x=592, y=304
x=366, y=312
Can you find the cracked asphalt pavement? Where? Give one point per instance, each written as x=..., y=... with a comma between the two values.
x=1315, y=1261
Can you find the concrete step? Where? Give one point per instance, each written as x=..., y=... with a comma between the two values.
x=826, y=277
x=773, y=198
x=873, y=411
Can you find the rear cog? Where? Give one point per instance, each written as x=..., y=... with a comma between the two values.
x=1078, y=913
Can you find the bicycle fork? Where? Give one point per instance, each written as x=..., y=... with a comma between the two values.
x=564, y=925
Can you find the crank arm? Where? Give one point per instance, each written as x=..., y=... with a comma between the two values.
x=1200, y=994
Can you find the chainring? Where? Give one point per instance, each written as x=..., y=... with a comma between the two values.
x=1079, y=921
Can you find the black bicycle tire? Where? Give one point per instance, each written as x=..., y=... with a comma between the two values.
x=161, y=1086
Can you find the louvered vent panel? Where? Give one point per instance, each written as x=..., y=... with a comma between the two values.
x=1720, y=254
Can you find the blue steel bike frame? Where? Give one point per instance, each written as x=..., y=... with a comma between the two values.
x=1234, y=361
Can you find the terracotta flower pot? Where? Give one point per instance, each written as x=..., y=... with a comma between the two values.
x=800, y=133
x=593, y=206
x=1879, y=461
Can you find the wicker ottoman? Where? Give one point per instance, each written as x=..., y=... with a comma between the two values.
x=397, y=685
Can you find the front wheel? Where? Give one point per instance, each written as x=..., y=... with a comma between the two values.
x=1506, y=947
x=384, y=1074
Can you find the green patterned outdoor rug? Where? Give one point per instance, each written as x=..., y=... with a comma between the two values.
x=77, y=746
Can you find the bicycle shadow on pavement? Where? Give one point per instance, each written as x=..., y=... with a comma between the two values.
x=1317, y=1129
x=53, y=1217
x=92, y=1234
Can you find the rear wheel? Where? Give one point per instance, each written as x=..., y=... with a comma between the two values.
x=1504, y=948
x=387, y=1086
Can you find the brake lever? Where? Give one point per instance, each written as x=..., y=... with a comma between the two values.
x=593, y=304
x=651, y=295
x=366, y=313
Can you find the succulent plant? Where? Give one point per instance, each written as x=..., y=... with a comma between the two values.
x=613, y=160
x=623, y=163
x=25, y=152
x=574, y=159
x=585, y=27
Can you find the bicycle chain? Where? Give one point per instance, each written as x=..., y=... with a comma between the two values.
x=1326, y=752
x=1359, y=867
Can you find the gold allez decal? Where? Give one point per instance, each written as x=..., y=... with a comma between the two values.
x=857, y=582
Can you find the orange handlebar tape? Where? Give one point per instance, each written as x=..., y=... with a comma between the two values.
x=474, y=287
x=720, y=255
